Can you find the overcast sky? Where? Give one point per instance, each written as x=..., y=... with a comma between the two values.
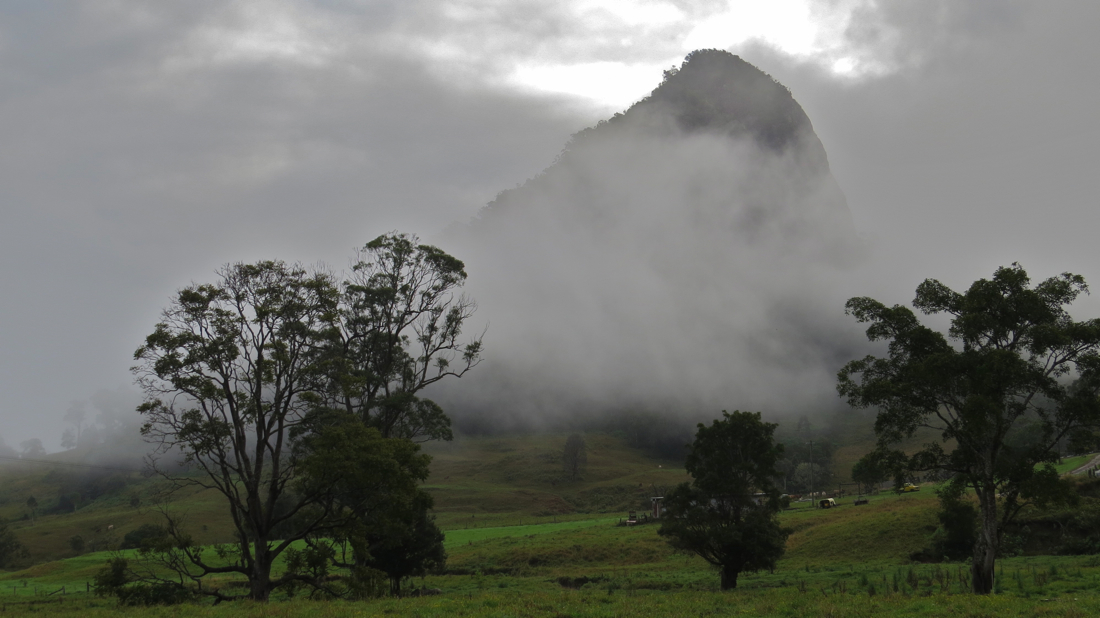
x=144, y=144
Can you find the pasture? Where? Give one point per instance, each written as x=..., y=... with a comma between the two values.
x=523, y=543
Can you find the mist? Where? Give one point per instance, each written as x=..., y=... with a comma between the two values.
x=146, y=145
x=99, y=435
x=685, y=257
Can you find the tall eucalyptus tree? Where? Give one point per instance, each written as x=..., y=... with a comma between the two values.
x=1015, y=377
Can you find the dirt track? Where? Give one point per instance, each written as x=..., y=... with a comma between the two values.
x=1092, y=462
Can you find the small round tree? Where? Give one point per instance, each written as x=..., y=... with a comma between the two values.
x=727, y=514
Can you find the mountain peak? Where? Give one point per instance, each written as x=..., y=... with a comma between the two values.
x=715, y=89
x=717, y=92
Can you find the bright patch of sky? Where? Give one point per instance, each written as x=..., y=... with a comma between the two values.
x=615, y=85
x=804, y=29
x=609, y=53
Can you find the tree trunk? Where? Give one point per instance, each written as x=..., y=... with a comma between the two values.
x=985, y=550
x=260, y=579
x=982, y=569
x=729, y=577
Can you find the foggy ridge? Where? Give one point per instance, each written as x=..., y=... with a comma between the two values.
x=678, y=258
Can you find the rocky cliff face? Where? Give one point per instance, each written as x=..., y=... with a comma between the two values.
x=678, y=257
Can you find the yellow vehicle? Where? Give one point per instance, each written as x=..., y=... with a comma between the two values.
x=910, y=487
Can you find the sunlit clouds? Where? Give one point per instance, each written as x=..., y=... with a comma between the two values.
x=605, y=52
x=813, y=32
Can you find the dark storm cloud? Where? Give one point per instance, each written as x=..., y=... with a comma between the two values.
x=142, y=145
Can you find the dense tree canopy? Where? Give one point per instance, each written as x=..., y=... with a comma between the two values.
x=297, y=399
x=727, y=514
x=370, y=484
x=224, y=374
x=398, y=331
x=1015, y=376
x=873, y=469
x=401, y=317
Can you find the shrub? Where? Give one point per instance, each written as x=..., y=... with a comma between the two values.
x=65, y=504
x=111, y=578
x=11, y=550
x=958, y=531
x=143, y=535
x=115, y=580
x=154, y=594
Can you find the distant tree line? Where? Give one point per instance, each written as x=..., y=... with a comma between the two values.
x=658, y=433
x=112, y=425
x=28, y=449
x=803, y=466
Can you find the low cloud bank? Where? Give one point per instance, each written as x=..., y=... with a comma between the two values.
x=684, y=257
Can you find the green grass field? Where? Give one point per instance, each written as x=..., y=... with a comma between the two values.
x=521, y=542
x=630, y=570
x=1069, y=464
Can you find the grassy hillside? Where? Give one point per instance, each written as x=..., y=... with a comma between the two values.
x=523, y=542
x=840, y=562
x=496, y=480
x=476, y=482
x=129, y=501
